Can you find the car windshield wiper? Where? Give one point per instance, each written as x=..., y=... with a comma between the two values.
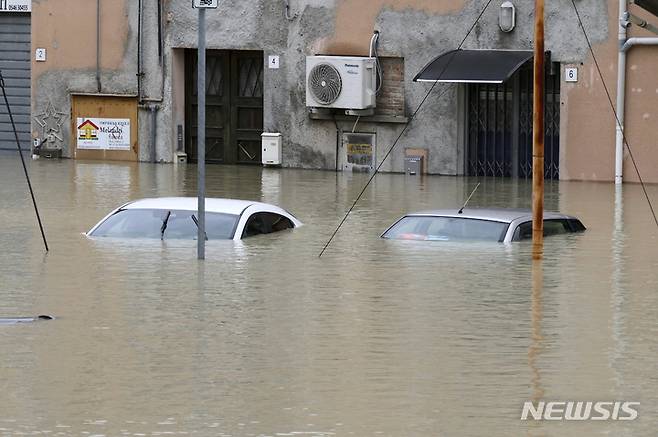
x=164, y=225
x=196, y=222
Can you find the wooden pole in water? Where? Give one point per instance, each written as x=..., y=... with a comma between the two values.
x=538, y=136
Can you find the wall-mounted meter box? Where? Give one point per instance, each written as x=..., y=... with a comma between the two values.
x=271, y=144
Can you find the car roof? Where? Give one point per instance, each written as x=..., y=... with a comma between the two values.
x=505, y=215
x=226, y=206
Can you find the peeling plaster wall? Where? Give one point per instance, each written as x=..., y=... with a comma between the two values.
x=67, y=29
x=414, y=29
x=417, y=30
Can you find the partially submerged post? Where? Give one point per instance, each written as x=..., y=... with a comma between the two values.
x=202, y=5
x=538, y=136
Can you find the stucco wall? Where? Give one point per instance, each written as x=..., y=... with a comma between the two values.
x=588, y=123
x=67, y=29
x=642, y=113
x=417, y=30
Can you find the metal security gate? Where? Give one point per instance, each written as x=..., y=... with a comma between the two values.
x=500, y=127
x=234, y=106
x=15, y=66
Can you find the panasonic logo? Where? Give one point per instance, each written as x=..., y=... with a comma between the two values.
x=352, y=65
x=580, y=410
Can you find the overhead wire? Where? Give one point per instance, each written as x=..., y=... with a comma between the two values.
x=20, y=152
x=413, y=116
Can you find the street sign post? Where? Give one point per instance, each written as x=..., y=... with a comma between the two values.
x=202, y=5
x=205, y=4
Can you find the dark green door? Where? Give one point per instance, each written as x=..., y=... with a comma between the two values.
x=234, y=106
x=500, y=127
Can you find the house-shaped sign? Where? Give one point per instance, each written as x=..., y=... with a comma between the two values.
x=88, y=131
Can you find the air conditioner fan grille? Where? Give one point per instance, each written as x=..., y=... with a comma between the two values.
x=325, y=83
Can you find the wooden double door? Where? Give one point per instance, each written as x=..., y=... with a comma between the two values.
x=234, y=106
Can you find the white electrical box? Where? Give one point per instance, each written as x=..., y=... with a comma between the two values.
x=271, y=143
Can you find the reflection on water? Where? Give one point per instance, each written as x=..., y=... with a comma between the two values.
x=263, y=338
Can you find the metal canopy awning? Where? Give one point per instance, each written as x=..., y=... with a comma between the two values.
x=474, y=66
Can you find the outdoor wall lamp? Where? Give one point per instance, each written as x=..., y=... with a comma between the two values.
x=507, y=17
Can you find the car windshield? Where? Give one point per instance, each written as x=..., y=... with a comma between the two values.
x=446, y=229
x=165, y=224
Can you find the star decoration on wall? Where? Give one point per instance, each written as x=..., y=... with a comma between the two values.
x=51, y=121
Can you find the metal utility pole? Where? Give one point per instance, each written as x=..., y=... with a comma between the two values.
x=201, y=137
x=538, y=137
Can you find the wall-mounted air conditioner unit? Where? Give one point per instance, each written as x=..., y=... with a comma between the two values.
x=343, y=82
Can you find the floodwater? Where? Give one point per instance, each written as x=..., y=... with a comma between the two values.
x=376, y=338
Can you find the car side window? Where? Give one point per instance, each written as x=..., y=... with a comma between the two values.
x=266, y=223
x=577, y=225
x=551, y=227
x=556, y=227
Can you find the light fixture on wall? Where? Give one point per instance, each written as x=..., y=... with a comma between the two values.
x=507, y=17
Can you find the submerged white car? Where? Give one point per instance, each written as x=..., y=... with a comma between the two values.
x=501, y=225
x=176, y=218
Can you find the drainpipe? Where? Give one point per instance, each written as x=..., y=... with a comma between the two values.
x=621, y=92
x=98, y=46
x=140, y=66
x=632, y=42
x=153, y=109
x=150, y=104
x=625, y=44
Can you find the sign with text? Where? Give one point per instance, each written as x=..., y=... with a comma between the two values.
x=205, y=4
x=15, y=5
x=103, y=133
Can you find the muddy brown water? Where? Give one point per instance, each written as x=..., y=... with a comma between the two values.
x=376, y=338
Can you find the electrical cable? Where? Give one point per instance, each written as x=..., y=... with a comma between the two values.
x=374, y=42
x=355, y=123
x=614, y=111
x=413, y=116
x=20, y=152
x=337, y=141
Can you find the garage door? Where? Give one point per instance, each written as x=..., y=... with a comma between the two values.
x=15, y=66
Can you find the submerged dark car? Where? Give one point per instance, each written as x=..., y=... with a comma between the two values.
x=501, y=225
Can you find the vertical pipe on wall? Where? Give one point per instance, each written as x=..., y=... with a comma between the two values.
x=154, y=129
x=337, y=140
x=621, y=94
x=516, y=122
x=98, y=46
x=161, y=46
x=160, y=34
x=139, y=51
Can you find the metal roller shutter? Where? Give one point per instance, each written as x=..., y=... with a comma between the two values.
x=15, y=65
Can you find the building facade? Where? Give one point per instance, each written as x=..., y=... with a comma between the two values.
x=129, y=67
